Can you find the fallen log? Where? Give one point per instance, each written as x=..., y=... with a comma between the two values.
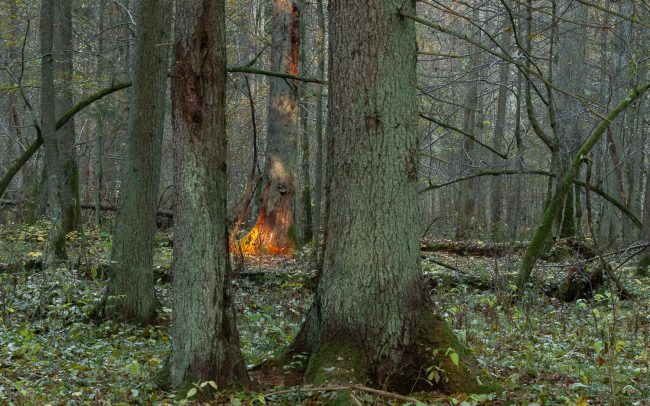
x=473, y=248
x=91, y=206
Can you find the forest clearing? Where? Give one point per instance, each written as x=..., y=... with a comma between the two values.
x=336, y=202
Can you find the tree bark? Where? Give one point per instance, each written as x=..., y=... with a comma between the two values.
x=274, y=231
x=130, y=293
x=205, y=345
x=466, y=225
x=63, y=45
x=372, y=318
x=318, y=171
x=304, y=205
x=496, y=192
x=55, y=248
x=98, y=169
x=570, y=71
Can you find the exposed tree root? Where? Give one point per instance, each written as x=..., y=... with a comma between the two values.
x=433, y=361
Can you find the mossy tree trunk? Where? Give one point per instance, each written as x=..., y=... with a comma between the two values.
x=553, y=208
x=205, y=344
x=130, y=295
x=274, y=231
x=372, y=320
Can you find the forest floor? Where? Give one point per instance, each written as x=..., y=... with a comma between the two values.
x=543, y=351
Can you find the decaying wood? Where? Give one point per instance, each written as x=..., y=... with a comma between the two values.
x=473, y=248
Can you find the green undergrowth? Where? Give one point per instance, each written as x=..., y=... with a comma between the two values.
x=540, y=351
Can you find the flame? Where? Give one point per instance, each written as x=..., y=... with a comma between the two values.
x=267, y=237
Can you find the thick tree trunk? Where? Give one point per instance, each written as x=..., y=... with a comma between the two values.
x=56, y=237
x=372, y=319
x=205, y=345
x=63, y=46
x=274, y=231
x=130, y=294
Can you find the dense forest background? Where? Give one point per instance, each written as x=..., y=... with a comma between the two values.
x=347, y=165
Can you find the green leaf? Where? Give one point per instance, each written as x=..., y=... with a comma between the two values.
x=619, y=345
x=455, y=358
x=190, y=393
x=598, y=346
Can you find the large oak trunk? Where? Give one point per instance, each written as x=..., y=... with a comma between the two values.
x=372, y=319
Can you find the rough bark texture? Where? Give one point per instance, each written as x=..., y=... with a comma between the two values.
x=318, y=171
x=304, y=217
x=130, y=294
x=372, y=319
x=63, y=47
x=205, y=345
x=274, y=231
x=56, y=236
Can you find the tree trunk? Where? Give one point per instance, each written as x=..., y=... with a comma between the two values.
x=274, y=231
x=553, y=208
x=496, y=192
x=644, y=260
x=205, y=345
x=318, y=171
x=63, y=46
x=56, y=237
x=372, y=319
x=304, y=205
x=569, y=71
x=130, y=294
x=466, y=224
x=98, y=168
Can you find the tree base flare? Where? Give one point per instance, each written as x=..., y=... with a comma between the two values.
x=434, y=361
